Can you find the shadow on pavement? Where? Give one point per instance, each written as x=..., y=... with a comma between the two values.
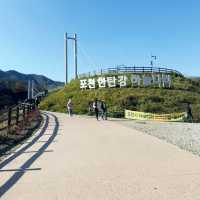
x=119, y=120
x=19, y=170
x=47, y=151
x=29, y=144
x=17, y=175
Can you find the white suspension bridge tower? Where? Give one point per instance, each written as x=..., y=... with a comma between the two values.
x=33, y=92
x=74, y=39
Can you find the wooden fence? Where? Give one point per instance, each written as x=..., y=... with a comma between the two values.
x=15, y=115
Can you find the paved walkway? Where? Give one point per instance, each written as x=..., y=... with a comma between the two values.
x=82, y=159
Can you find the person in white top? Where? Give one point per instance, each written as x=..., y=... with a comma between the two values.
x=70, y=107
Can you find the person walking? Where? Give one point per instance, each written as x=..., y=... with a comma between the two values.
x=189, y=112
x=70, y=107
x=103, y=110
x=96, y=110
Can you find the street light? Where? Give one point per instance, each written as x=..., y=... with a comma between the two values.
x=153, y=58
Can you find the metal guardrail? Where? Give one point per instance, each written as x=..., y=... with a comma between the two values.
x=134, y=69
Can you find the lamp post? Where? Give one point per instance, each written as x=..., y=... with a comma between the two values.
x=153, y=57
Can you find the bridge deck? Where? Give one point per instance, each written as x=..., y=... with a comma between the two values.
x=81, y=158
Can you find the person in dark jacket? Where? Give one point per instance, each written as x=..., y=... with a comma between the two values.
x=96, y=110
x=103, y=110
x=189, y=112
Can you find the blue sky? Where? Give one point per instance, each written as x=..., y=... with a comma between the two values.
x=110, y=32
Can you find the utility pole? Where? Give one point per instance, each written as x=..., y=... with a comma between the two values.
x=75, y=56
x=29, y=86
x=32, y=89
x=74, y=38
x=65, y=58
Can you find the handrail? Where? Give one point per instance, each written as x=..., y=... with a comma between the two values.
x=12, y=115
x=132, y=69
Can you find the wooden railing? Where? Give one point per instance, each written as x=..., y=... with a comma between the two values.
x=134, y=69
x=15, y=115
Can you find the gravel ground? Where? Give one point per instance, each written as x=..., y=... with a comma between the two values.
x=184, y=135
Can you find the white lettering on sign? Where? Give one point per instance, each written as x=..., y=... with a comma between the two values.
x=122, y=80
x=166, y=80
x=134, y=80
x=83, y=84
x=147, y=80
x=91, y=83
x=101, y=82
x=157, y=80
x=111, y=81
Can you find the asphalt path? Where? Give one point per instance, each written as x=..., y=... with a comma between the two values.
x=80, y=158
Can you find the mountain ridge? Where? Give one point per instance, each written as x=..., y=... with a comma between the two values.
x=39, y=79
x=14, y=86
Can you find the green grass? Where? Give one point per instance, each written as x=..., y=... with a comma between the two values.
x=155, y=100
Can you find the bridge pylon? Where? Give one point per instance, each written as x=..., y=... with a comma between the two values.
x=74, y=38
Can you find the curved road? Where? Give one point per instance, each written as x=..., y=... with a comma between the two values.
x=80, y=158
